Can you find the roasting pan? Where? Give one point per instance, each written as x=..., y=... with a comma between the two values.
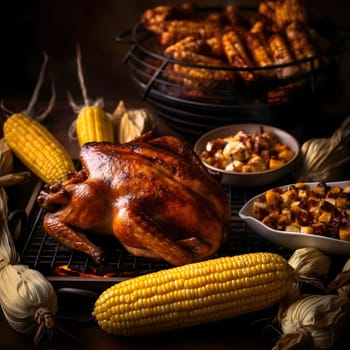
x=65, y=268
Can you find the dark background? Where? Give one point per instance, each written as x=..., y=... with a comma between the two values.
x=29, y=27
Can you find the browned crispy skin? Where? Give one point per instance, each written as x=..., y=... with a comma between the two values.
x=154, y=195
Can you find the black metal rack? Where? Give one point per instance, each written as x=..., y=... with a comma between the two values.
x=67, y=268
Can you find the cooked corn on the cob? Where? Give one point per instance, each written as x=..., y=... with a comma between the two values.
x=94, y=125
x=37, y=148
x=194, y=294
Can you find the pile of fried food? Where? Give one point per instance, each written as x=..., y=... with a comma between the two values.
x=277, y=33
x=323, y=210
x=246, y=153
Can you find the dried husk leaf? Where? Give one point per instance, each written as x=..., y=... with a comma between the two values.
x=323, y=318
x=6, y=158
x=27, y=298
x=310, y=261
x=13, y=178
x=323, y=159
x=24, y=296
x=129, y=124
x=341, y=282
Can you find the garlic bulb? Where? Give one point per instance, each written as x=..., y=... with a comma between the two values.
x=310, y=261
x=314, y=320
x=27, y=298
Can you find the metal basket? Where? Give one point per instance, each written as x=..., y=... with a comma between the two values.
x=196, y=106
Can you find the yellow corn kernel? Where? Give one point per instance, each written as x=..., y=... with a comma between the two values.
x=37, y=148
x=193, y=294
x=94, y=125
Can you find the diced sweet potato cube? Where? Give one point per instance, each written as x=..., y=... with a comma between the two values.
x=275, y=163
x=286, y=155
x=272, y=198
x=344, y=233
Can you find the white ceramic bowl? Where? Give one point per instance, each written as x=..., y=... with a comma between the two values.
x=260, y=178
x=295, y=240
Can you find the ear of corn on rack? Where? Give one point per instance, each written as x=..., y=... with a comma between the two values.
x=37, y=148
x=194, y=294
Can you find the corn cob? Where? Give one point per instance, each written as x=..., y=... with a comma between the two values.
x=301, y=43
x=237, y=54
x=37, y=148
x=288, y=11
x=94, y=125
x=194, y=294
x=176, y=30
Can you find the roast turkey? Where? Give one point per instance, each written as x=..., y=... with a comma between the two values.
x=153, y=194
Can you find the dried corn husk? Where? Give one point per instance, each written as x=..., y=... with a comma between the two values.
x=129, y=123
x=27, y=299
x=341, y=283
x=310, y=261
x=6, y=165
x=323, y=159
x=310, y=266
x=6, y=158
x=314, y=322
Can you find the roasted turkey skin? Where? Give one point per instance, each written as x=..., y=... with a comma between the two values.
x=153, y=194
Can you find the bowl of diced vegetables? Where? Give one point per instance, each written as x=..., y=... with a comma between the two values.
x=310, y=214
x=248, y=154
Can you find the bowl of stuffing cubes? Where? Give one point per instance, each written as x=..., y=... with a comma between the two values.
x=248, y=155
x=310, y=214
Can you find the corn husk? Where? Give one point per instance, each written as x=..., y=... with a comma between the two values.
x=314, y=322
x=310, y=261
x=341, y=283
x=6, y=158
x=323, y=159
x=27, y=298
x=129, y=123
